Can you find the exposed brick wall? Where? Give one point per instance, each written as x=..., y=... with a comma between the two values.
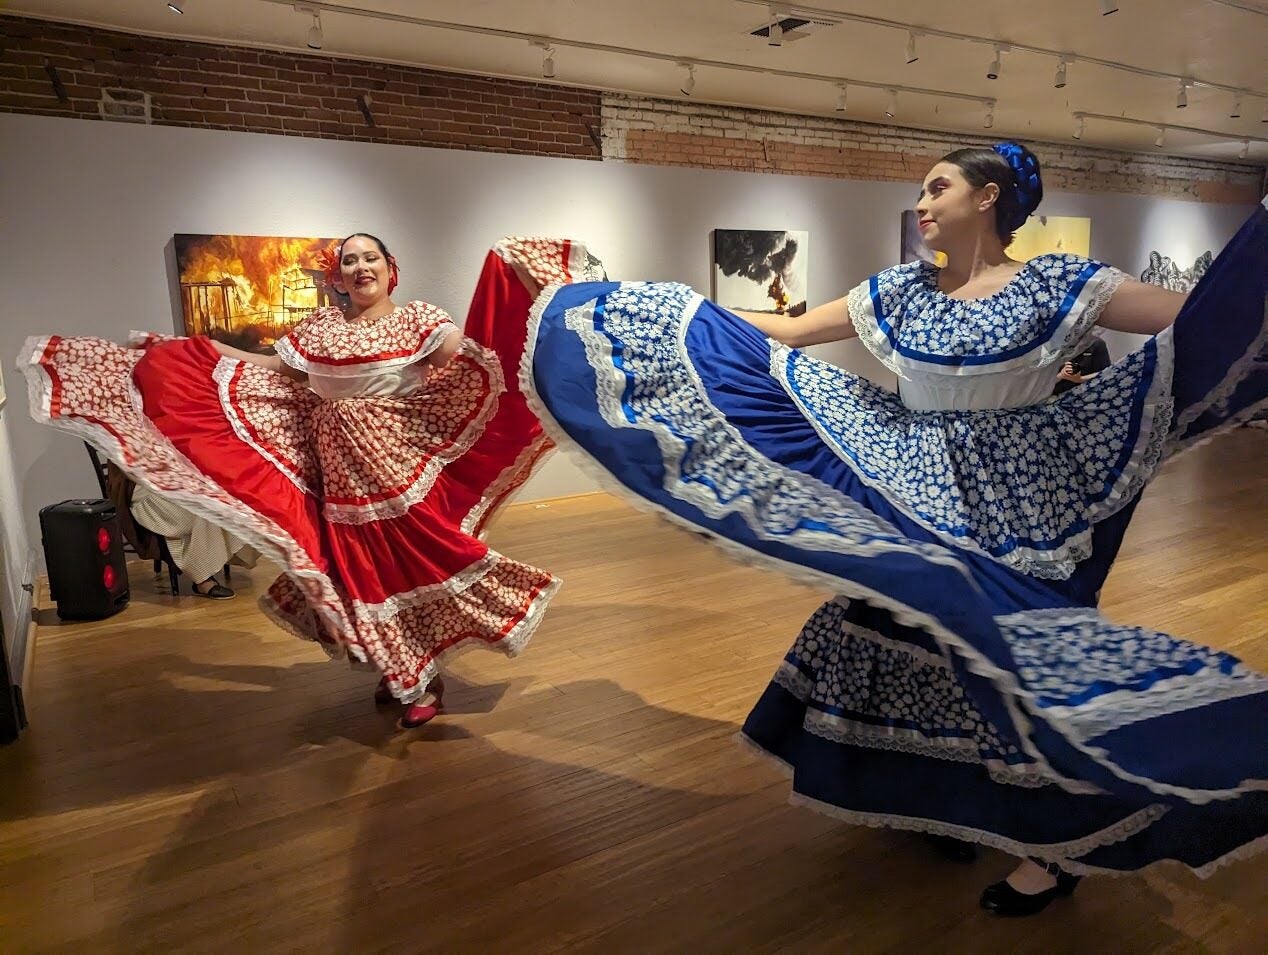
x=224, y=87
x=673, y=133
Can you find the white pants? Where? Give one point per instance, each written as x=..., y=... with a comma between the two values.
x=198, y=547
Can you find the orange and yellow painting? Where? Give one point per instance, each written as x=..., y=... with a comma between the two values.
x=1043, y=234
x=249, y=290
x=1040, y=235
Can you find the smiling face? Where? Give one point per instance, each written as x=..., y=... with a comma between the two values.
x=950, y=209
x=363, y=271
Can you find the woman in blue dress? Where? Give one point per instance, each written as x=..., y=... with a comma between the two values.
x=963, y=685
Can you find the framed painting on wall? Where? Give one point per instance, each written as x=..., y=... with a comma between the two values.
x=249, y=290
x=1040, y=235
x=760, y=270
x=1163, y=271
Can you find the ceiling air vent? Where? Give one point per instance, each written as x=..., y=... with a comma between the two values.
x=795, y=28
x=125, y=106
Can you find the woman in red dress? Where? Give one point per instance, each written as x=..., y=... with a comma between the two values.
x=366, y=456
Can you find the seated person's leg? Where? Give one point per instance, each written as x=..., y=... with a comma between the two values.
x=198, y=547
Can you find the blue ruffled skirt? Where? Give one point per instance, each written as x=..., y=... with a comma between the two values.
x=963, y=684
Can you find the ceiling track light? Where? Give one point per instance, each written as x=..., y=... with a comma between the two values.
x=1182, y=94
x=993, y=71
x=1163, y=129
x=548, y=57
x=891, y=108
x=912, y=55
x=989, y=119
x=1080, y=125
x=841, y=100
x=1059, y=80
x=175, y=8
x=1108, y=7
x=689, y=81
x=1245, y=150
x=1264, y=118
x=315, y=37
x=1236, y=111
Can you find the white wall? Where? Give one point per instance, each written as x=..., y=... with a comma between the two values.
x=91, y=209
x=15, y=549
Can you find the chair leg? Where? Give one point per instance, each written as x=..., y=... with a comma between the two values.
x=158, y=567
x=172, y=575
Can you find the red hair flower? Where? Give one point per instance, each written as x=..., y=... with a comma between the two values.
x=328, y=261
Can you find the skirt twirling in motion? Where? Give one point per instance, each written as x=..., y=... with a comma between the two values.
x=374, y=505
x=963, y=684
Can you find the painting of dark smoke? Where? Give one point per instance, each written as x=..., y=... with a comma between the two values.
x=760, y=270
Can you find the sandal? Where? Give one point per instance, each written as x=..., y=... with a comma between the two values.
x=217, y=591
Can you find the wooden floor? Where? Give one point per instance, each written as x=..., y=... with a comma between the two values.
x=196, y=780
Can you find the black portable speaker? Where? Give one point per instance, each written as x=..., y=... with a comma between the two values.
x=83, y=547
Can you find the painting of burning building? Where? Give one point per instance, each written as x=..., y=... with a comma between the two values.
x=249, y=290
x=760, y=271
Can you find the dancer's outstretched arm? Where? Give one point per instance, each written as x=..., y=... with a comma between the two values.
x=1141, y=308
x=825, y=323
x=271, y=362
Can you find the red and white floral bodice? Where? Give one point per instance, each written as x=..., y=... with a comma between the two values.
x=356, y=358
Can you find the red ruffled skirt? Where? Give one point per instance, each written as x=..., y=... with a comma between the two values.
x=375, y=506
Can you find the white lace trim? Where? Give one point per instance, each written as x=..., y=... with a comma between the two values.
x=511, y=645
x=512, y=478
x=223, y=375
x=914, y=743
x=457, y=583
x=1107, y=713
x=1155, y=423
x=1241, y=853
x=1061, y=852
x=902, y=614
x=673, y=450
x=254, y=529
x=358, y=367
x=361, y=369
x=1056, y=563
x=1065, y=340
x=1018, y=701
x=143, y=339
x=918, y=654
x=1254, y=359
x=840, y=729
x=285, y=350
x=863, y=318
x=1116, y=709
x=339, y=512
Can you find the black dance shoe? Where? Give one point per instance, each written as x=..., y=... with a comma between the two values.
x=1002, y=899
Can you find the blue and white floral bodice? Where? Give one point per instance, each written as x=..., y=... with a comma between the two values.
x=1003, y=351
x=972, y=448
